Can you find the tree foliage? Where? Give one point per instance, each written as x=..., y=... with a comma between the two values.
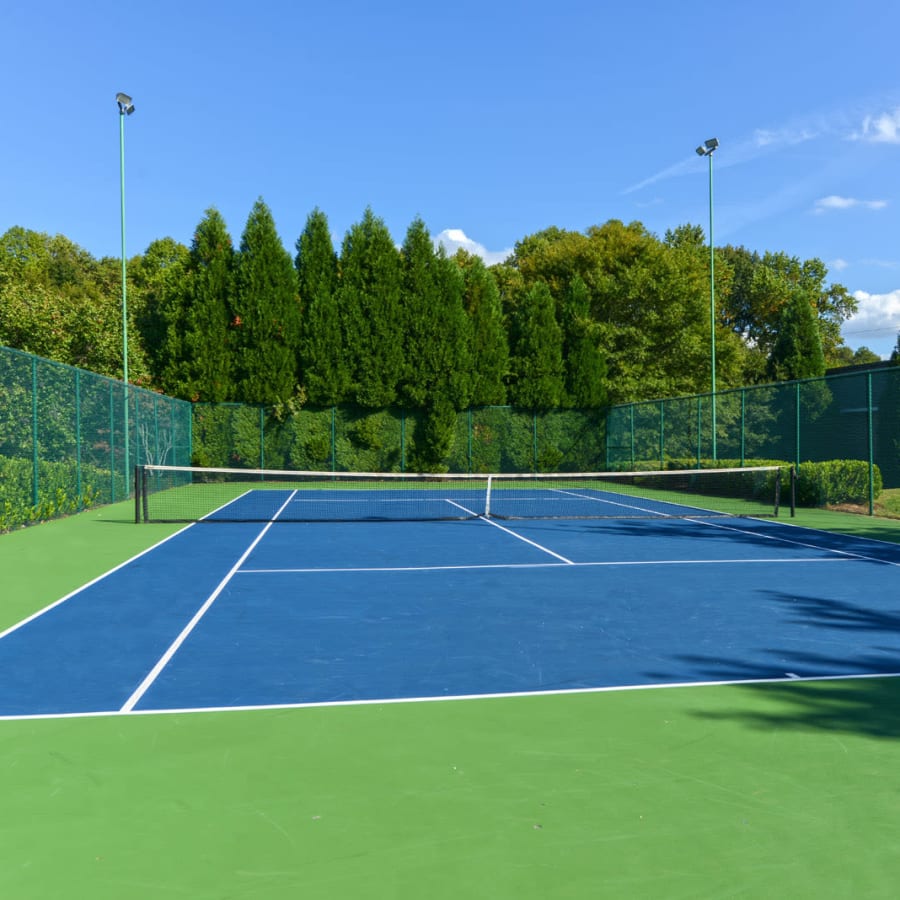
x=490, y=345
x=323, y=356
x=436, y=332
x=573, y=319
x=797, y=348
x=536, y=363
x=265, y=314
x=369, y=298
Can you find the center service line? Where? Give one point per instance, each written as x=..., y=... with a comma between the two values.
x=513, y=533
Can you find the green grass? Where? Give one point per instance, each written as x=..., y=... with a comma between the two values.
x=743, y=791
x=888, y=504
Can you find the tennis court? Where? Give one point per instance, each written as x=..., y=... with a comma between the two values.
x=293, y=612
x=236, y=689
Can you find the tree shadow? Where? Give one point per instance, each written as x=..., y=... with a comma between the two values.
x=855, y=692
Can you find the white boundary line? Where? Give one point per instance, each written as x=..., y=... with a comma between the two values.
x=849, y=554
x=163, y=661
x=91, y=583
x=787, y=678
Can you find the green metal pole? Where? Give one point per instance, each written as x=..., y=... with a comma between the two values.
x=871, y=444
x=402, y=440
x=35, y=470
x=124, y=294
x=631, y=411
x=662, y=432
x=712, y=308
x=699, y=432
x=743, y=424
x=78, y=437
x=262, y=438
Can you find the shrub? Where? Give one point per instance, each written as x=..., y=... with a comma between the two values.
x=836, y=481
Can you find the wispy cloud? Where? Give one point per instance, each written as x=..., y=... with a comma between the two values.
x=452, y=239
x=838, y=125
x=760, y=142
x=834, y=202
x=788, y=136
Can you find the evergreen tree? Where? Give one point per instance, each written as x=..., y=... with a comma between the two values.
x=438, y=361
x=797, y=350
x=265, y=318
x=585, y=364
x=490, y=345
x=207, y=359
x=369, y=299
x=323, y=358
x=536, y=353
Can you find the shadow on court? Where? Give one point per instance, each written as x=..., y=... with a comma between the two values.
x=850, y=705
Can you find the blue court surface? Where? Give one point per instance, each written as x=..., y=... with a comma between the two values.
x=225, y=615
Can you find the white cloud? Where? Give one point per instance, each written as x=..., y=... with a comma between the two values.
x=878, y=317
x=883, y=129
x=835, y=202
x=452, y=239
x=838, y=265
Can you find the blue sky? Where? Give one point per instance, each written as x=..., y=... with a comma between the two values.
x=490, y=120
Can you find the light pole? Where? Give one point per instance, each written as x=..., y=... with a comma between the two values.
x=707, y=148
x=126, y=108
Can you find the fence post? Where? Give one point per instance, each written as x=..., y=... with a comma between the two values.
x=662, y=431
x=402, y=440
x=699, y=432
x=871, y=444
x=797, y=423
x=78, y=437
x=743, y=424
x=333, y=446
x=262, y=437
x=34, y=431
x=112, y=442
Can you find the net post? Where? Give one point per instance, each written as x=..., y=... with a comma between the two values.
x=793, y=491
x=777, y=490
x=487, y=497
x=138, y=482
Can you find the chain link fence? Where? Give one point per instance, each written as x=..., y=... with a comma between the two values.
x=63, y=444
x=352, y=439
x=847, y=416
x=63, y=434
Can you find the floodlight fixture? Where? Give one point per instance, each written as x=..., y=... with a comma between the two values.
x=126, y=107
x=707, y=147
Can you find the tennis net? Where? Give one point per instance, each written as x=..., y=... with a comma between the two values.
x=189, y=494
